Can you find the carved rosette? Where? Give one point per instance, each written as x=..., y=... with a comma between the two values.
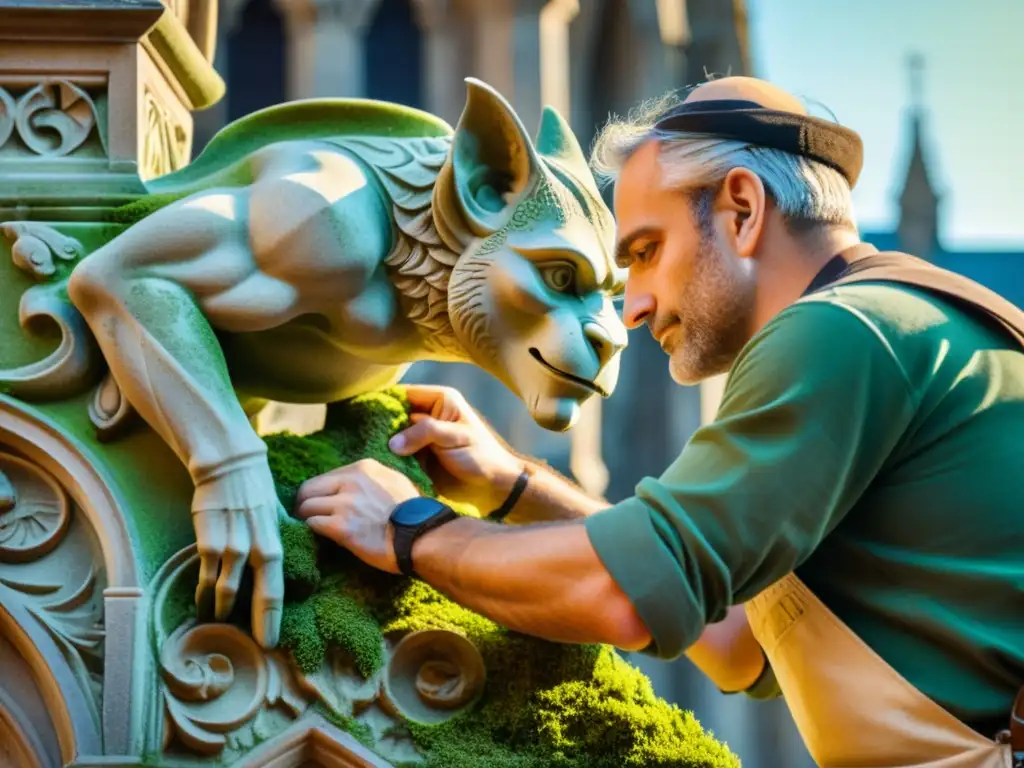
x=53, y=117
x=34, y=511
x=48, y=565
x=223, y=695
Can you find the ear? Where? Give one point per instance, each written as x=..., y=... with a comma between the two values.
x=744, y=200
x=492, y=157
x=557, y=142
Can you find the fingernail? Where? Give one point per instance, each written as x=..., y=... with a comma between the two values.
x=396, y=443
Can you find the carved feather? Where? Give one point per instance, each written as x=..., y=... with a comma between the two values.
x=420, y=264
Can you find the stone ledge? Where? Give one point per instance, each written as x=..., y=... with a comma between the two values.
x=78, y=20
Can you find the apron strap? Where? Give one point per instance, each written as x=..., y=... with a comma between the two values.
x=863, y=263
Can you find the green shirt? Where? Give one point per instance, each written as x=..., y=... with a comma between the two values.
x=871, y=438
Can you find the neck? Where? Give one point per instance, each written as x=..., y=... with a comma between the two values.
x=789, y=264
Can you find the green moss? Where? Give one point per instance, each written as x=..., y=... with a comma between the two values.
x=137, y=210
x=545, y=704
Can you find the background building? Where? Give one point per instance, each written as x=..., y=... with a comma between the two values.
x=588, y=58
x=920, y=209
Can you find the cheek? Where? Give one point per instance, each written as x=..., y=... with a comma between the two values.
x=519, y=293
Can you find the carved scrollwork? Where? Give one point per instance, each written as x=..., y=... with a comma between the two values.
x=35, y=246
x=76, y=363
x=34, y=511
x=8, y=110
x=219, y=685
x=432, y=675
x=217, y=679
x=54, y=118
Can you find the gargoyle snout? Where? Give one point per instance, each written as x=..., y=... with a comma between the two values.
x=603, y=342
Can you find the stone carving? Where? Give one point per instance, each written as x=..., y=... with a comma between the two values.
x=35, y=517
x=222, y=693
x=34, y=511
x=52, y=119
x=35, y=247
x=165, y=147
x=432, y=675
x=74, y=365
x=328, y=245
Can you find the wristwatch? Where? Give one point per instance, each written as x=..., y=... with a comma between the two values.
x=411, y=519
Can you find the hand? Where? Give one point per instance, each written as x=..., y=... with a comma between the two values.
x=351, y=506
x=235, y=516
x=471, y=464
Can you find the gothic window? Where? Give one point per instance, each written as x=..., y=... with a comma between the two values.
x=394, y=68
x=256, y=60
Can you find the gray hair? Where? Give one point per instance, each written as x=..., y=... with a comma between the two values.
x=808, y=194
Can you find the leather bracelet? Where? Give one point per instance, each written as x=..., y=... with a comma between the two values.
x=518, y=487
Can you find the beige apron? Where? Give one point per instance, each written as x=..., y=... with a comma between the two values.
x=852, y=709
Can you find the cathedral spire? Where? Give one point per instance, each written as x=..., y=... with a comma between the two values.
x=919, y=200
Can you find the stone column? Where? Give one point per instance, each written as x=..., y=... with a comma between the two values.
x=325, y=46
x=444, y=56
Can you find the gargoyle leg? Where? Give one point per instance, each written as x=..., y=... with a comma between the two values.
x=166, y=359
x=147, y=295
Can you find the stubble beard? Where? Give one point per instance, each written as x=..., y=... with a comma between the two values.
x=714, y=314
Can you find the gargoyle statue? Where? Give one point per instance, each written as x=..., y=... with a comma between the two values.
x=317, y=249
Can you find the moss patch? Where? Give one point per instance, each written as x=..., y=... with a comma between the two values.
x=137, y=210
x=545, y=704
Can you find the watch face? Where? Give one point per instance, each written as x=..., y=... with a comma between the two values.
x=416, y=511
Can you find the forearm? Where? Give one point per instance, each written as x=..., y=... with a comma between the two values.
x=728, y=653
x=543, y=580
x=551, y=497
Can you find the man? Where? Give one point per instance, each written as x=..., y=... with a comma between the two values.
x=857, y=496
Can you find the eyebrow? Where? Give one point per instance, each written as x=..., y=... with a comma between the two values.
x=622, y=254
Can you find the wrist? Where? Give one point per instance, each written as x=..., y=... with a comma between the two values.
x=503, y=481
x=436, y=545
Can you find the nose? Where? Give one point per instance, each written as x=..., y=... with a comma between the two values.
x=603, y=342
x=637, y=305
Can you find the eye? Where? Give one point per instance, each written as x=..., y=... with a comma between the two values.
x=559, y=277
x=645, y=253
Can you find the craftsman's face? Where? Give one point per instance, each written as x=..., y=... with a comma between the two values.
x=694, y=293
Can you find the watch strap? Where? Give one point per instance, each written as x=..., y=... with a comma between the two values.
x=405, y=537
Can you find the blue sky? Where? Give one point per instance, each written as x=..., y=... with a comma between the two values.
x=851, y=56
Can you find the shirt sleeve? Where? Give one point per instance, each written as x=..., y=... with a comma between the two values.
x=812, y=408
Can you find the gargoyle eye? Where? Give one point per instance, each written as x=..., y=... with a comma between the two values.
x=559, y=277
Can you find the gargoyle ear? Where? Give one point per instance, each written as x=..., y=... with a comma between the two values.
x=492, y=158
x=557, y=142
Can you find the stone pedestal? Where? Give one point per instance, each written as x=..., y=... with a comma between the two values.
x=96, y=97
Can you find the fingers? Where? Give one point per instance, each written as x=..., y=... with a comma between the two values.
x=319, y=506
x=440, y=402
x=332, y=482
x=326, y=484
x=429, y=431
x=232, y=565
x=211, y=539
x=326, y=526
x=267, y=560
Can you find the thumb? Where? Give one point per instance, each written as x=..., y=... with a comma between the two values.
x=428, y=431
